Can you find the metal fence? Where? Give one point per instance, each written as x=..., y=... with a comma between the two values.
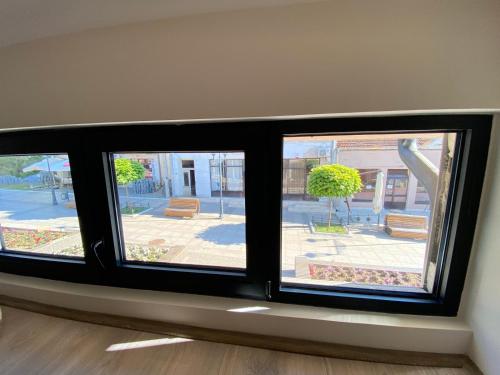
x=349, y=219
x=36, y=179
x=145, y=186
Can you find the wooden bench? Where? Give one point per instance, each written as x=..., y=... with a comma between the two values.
x=71, y=204
x=183, y=207
x=406, y=226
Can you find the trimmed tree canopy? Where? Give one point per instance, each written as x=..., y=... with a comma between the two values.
x=128, y=171
x=333, y=181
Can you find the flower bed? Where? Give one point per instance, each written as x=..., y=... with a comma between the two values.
x=134, y=252
x=359, y=275
x=145, y=253
x=25, y=239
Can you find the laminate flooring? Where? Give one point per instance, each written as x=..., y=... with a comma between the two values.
x=32, y=343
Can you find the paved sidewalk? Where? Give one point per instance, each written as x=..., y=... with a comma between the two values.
x=366, y=245
x=211, y=241
x=203, y=240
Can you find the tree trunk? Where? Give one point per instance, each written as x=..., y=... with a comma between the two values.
x=348, y=211
x=126, y=193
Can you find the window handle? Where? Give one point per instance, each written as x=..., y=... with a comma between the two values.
x=97, y=247
x=268, y=290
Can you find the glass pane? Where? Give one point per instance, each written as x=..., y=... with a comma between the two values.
x=37, y=205
x=183, y=216
x=369, y=214
x=188, y=164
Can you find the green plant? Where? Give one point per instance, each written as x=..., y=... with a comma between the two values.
x=145, y=253
x=128, y=171
x=132, y=210
x=361, y=275
x=337, y=229
x=333, y=181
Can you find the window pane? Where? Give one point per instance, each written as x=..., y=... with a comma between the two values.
x=370, y=212
x=37, y=205
x=369, y=180
x=190, y=210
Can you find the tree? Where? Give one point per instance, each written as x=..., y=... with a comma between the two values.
x=13, y=165
x=333, y=181
x=128, y=171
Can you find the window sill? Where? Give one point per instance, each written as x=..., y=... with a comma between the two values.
x=365, y=329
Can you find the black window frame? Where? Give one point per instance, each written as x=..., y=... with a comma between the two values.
x=89, y=149
x=50, y=141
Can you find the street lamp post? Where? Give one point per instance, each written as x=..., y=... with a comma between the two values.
x=54, y=198
x=221, y=204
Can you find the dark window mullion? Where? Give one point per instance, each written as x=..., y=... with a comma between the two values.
x=274, y=174
x=89, y=191
x=257, y=210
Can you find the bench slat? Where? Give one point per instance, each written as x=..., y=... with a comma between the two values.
x=406, y=226
x=182, y=207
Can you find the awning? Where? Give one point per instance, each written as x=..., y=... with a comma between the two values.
x=53, y=163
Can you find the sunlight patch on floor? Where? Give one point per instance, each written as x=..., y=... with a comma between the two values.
x=248, y=309
x=146, y=344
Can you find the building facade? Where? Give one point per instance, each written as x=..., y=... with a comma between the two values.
x=402, y=190
x=184, y=174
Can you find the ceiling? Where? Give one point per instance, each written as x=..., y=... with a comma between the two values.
x=25, y=20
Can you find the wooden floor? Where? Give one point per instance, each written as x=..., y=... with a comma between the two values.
x=32, y=343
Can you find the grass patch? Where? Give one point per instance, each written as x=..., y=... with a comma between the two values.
x=334, y=228
x=132, y=210
x=16, y=187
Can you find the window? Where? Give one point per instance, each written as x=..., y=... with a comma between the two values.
x=37, y=206
x=340, y=241
x=357, y=213
x=233, y=177
x=187, y=163
x=369, y=181
x=183, y=214
x=295, y=172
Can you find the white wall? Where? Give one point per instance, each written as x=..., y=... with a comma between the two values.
x=325, y=57
x=481, y=298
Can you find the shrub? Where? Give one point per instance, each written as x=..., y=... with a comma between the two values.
x=333, y=181
x=128, y=171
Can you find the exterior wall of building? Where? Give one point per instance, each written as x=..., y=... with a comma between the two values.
x=201, y=172
x=380, y=159
x=167, y=168
x=385, y=160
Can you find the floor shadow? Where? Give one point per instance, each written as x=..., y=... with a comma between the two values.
x=224, y=234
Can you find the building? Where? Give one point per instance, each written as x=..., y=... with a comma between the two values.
x=198, y=174
x=402, y=190
x=186, y=174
